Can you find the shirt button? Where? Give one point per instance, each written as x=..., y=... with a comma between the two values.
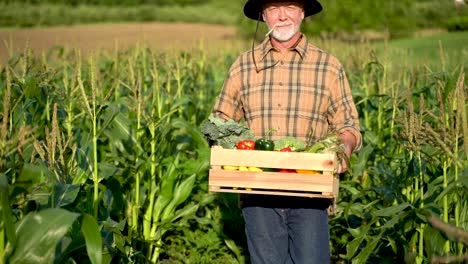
x=281, y=83
x=282, y=62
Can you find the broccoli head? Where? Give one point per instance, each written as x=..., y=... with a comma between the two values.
x=292, y=142
x=225, y=133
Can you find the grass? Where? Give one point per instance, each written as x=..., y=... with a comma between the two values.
x=448, y=48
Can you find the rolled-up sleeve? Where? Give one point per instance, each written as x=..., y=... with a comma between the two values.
x=228, y=105
x=343, y=114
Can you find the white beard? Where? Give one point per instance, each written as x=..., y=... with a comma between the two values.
x=285, y=33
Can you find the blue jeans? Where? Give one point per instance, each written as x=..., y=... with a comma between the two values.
x=286, y=230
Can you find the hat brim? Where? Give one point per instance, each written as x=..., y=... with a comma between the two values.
x=253, y=9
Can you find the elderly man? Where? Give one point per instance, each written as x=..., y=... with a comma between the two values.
x=288, y=85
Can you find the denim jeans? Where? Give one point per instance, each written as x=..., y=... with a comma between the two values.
x=286, y=230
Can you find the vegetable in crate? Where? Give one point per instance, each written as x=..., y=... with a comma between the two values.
x=291, y=142
x=308, y=171
x=332, y=142
x=265, y=143
x=227, y=167
x=247, y=144
x=225, y=133
x=286, y=149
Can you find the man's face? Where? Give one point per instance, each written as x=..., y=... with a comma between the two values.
x=285, y=16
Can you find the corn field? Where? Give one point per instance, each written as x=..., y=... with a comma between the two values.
x=102, y=161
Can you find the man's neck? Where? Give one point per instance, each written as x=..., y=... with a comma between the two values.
x=286, y=45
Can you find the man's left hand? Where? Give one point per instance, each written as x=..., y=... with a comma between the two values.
x=343, y=166
x=349, y=142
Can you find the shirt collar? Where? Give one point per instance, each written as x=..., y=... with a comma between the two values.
x=300, y=47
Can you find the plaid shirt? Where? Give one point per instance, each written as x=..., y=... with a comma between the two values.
x=303, y=93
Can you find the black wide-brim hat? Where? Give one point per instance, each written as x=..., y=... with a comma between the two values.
x=253, y=8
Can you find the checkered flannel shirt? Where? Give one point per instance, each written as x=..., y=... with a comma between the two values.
x=303, y=92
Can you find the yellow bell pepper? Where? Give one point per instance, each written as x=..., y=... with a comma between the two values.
x=308, y=171
x=230, y=167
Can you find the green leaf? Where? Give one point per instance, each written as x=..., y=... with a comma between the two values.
x=367, y=251
x=393, y=221
x=65, y=194
x=122, y=128
x=108, y=115
x=372, y=138
x=392, y=210
x=166, y=193
x=80, y=176
x=186, y=211
x=107, y=170
x=31, y=175
x=350, y=187
x=233, y=247
x=355, y=232
x=462, y=181
x=184, y=189
x=353, y=246
x=181, y=192
x=6, y=220
x=360, y=165
x=93, y=239
x=193, y=131
x=39, y=233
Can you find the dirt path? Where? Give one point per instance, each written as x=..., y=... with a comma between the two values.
x=90, y=38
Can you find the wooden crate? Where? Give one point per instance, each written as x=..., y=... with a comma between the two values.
x=323, y=185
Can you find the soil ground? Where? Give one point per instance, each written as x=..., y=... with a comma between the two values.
x=92, y=38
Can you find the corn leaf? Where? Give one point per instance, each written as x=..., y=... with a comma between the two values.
x=93, y=239
x=166, y=191
x=392, y=210
x=181, y=192
x=65, y=194
x=188, y=210
x=365, y=253
x=6, y=217
x=38, y=234
x=32, y=175
x=233, y=247
x=353, y=246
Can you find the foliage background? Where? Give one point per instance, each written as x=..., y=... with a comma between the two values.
x=393, y=18
x=110, y=144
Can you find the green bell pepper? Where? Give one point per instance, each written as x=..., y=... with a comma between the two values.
x=265, y=143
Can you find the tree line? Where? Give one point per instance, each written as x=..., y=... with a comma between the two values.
x=391, y=18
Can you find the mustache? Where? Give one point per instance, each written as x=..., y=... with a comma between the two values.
x=282, y=24
x=277, y=25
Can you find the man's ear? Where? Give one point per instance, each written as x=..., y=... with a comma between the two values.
x=263, y=16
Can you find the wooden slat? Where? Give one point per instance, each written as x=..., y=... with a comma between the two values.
x=325, y=184
x=272, y=180
x=271, y=192
x=273, y=159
